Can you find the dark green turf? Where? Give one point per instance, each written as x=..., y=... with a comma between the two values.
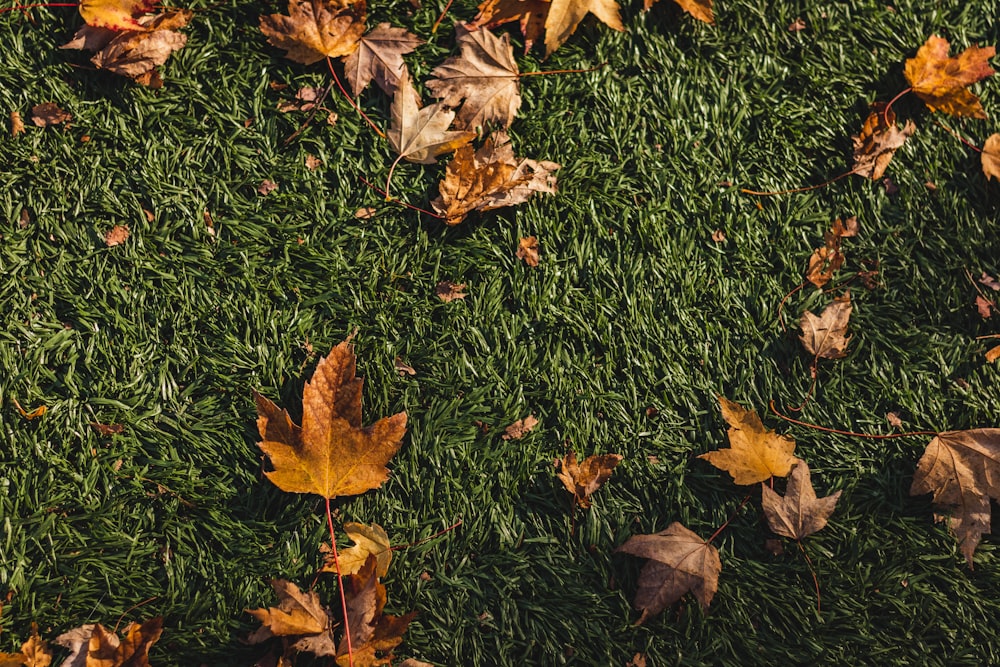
x=633, y=306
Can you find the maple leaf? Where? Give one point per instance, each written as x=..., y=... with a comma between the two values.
x=699, y=9
x=941, y=81
x=680, y=561
x=34, y=653
x=484, y=75
x=421, y=135
x=825, y=261
x=755, y=453
x=799, y=513
x=823, y=336
x=330, y=455
x=962, y=470
x=316, y=29
x=368, y=541
x=991, y=157
x=373, y=634
x=135, y=53
x=379, y=56
x=530, y=14
x=298, y=614
x=583, y=478
x=93, y=646
x=116, y=14
x=565, y=15
x=490, y=178
x=878, y=141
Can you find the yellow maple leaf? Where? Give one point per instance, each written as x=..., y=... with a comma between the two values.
x=755, y=453
x=116, y=14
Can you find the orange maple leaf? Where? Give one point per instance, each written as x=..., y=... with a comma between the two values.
x=116, y=14
x=316, y=29
x=755, y=453
x=331, y=454
x=941, y=81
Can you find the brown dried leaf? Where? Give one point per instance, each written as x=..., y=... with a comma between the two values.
x=755, y=453
x=827, y=260
x=316, y=29
x=448, y=291
x=680, y=562
x=985, y=306
x=824, y=336
x=484, y=75
x=991, y=157
x=992, y=354
x=267, y=186
x=796, y=25
x=520, y=428
x=105, y=649
x=299, y=614
x=989, y=281
x=490, y=178
x=365, y=213
x=35, y=652
x=331, y=455
x=16, y=124
x=878, y=141
x=421, y=135
x=584, y=478
x=312, y=162
x=76, y=640
x=379, y=56
x=373, y=634
x=962, y=470
x=894, y=419
x=527, y=249
x=799, y=513
x=49, y=113
x=116, y=235
x=403, y=369
x=107, y=429
x=941, y=82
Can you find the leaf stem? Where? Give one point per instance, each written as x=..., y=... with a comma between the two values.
x=731, y=517
x=312, y=114
x=888, y=107
x=450, y=528
x=133, y=608
x=564, y=71
x=389, y=177
x=444, y=12
x=794, y=190
x=400, y=202
x=781, y=306
x=812, y=571
x=336, y=79
x=827, y=429
x=340, y=582
x=814, y=371
x=958, y=136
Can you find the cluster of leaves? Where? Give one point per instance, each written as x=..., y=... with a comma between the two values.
x=90, y=645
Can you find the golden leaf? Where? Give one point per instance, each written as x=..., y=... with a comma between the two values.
x=755, y=453
x=941, y=82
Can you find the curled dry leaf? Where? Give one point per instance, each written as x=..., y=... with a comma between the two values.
x=583, y=478
x=116, y=235
x=878, y=141
x=520, y=428
x=827, y=260
x=490, y=178
x=299, y=614
x=316, y=29
x=680, y=562
x=49, y=113
x=699, y=9
x=824, y=336
x=527, y=249
x=373, y=634
x=984, y=306
x=368, y=541
x=421, y=135
x=962, y=469
x=483, y=78
x=992, y=354
x=379, y=56
x=989, y=281
x=799, y=513
x=755, y=453
x=116, y=14
x=991, y=157
x=331, y=454
x=942, y=82
x=403, y=368
x=448, y=291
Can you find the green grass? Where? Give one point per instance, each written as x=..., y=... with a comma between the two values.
x=633, y=306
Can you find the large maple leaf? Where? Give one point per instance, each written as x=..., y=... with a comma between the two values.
x=331, y=454
x=316, y=29
x=300, y=618
x=962, y=470
x=755, y=453
x=941, y=81
x=379, y=56
x=116, y=14
x=421, y=135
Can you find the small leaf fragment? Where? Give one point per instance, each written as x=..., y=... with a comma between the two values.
x=16, y=124
x=49, y=113
x=448, y=291
x=527, y=249
x=520, y=428
x=116, y=235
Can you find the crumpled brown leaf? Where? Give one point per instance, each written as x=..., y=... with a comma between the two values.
x=379, y=56
x=299, y=614
x=93, y=646
x=584, y=478
x=316, y=29
x=799, y=512
x=527, y=250
x=421, y=135
x=825, y=261
x=942, y=82
x=49, y=113
x=878, y=141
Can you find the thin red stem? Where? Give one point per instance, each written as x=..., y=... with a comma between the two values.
x=40, y=4
x=888, y=107
x=827, y=429
x=781, y=316
x=564, y=71
x=444, y=12
x=133, y=608
x=815, y=374
x=958, y=136
x=336, y=79
x=399, y=201
x=731, y=517
x=316, y=107
x=388, y=178
x=812, y=571
x=450, y=528
x=794, y=190
x=340, y=582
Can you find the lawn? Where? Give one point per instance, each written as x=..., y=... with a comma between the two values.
x=633, y=306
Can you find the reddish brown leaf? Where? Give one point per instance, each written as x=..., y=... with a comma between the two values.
x=267, y=186
x=878, y=141
x=992, y=354
x=530, y=15
x=373, y=634
x=116, y=235
x=942, y=82
x=300, y=617
x=527, y=249
x=520, y=428
x=827, y=260
x=49, y=113
x=984, y=306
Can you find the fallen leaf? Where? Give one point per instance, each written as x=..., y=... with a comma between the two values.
x=448, y=291
x=16, y=124
x=330, y=455
x=584, y=478
x=316, y=29
x=527, y=249
x=638, y=660
x=490, y=178
x=992, y=354
x=755, y=453
x=796, y=25
x=985, y=307
x=373, y=634
x=894, y=420
x=530, y=14
x=115, y=14
x=827, y=260
x=403, y=368
x=299, y=614
x=365, y=213
x=483, y=77
x=680, y=562
x=368, y=541
x=30, y=414
x=77, y=641
x=961, y=469
x=312, y=162
x=49, y=113
x=379, y=56
x=520, y=428
x=699, y=9
x=824, y=336
x=107, y=429
x=116, y=235
x=774, y=546
x=941, y=82
x=267, y=186
x=991, y=157
x=799, y=513
x=719, y=236
x=878, y=141
x=988, y=280
x=34, y=652
x=93, y=646
x=411, y=662
x=12, y=660
x=891, y=189
x=565, y=15
x=421, y=135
